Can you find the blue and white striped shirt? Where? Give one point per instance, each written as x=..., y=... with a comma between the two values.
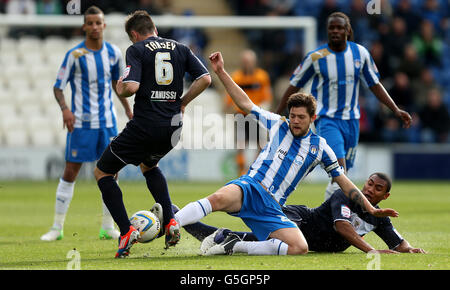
x=90, y=74
x=333, y=79
x=286, y=160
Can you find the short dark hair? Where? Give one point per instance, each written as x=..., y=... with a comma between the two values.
x=139, y=21
x=303, y=100
x=92, y=10
x=386, y=178
x=347, y=22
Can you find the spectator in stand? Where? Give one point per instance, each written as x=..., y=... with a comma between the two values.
x=411, y=64
x=405, y=11
x=431, y=11
x=435, y=119
x=423, y=85
x=49, y=7
x=428, y=44
x=396, y=40
x=194, y=38
x=402, y=92
x=21, y=7
x=255, y=82
x=360, y=22
x=381, y=59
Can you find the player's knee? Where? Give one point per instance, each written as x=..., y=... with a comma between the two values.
x=98, y=174
x=298, y=249
x=217, y=201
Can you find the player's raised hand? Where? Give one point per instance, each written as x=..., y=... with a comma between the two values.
x=217, y=62
x=384, y=212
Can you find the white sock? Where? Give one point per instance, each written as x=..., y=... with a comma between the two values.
x=193, y=212
x=107, y=220
x=269, y=247
x=64, y=194
x=331, y=188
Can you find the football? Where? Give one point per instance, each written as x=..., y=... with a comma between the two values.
x=147, y=224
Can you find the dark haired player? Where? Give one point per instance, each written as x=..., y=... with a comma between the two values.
x=154, y=72
x=92, y=68
x=335, y=225
x=257, y=197
x=334, y=72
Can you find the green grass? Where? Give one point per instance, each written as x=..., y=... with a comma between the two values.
x=26, y=212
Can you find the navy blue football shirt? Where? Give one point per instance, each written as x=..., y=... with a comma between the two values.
x=159, y=65
x=317, y=224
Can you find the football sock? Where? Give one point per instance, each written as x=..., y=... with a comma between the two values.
x=193, y=212
x=269, y=247
x=157, y=184
x=64, y=194
x=200, y=231
x=107, y=220
x=112, y=198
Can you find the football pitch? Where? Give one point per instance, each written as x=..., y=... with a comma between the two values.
x=26, y=212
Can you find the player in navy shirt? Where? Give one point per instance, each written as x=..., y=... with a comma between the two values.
x=335, y=225
x=155, y=70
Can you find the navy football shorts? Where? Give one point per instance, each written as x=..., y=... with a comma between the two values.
x=136, y=145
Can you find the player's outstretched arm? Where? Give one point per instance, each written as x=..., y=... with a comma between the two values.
x=354, y=194
x=239, y=97
x=382, y=95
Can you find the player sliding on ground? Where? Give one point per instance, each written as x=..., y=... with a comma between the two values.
x=292, y=152
x=334, y=226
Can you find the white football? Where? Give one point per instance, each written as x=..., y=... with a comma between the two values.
x=147, y=224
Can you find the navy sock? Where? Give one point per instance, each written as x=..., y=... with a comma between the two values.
x=112, y=197
x=157, y=184
x=200, y=231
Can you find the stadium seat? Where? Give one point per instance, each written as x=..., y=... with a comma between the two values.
x=7, y=111
x=8, y=59
x=14, y=131
x=40, y=130
x=31, y=59
x=30, y=109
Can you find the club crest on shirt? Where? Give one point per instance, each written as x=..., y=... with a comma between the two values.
x=313, y=149
x=357, y=63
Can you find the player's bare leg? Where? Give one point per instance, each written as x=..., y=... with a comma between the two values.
x=294, y=238
x=227, y=198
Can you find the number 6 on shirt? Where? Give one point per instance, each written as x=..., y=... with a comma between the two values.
x=163, y=69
